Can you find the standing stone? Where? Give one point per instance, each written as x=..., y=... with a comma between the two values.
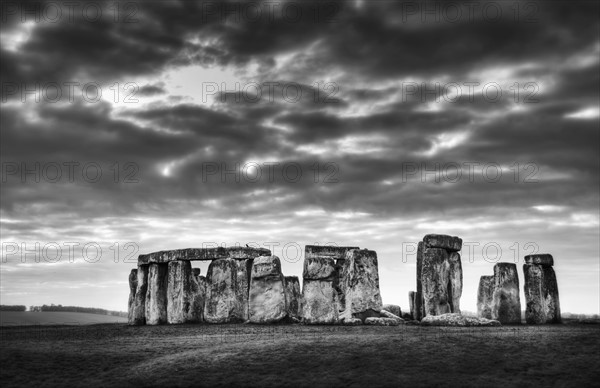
x=361, y=284
x=292, y=296
x=180, y=293
x=244, y=270
x=221, y=305
x=138, y=316
x=338, y=281
x=541, y=290
x=485, y=295
x=132, y=291
x=411, y=302
x=198, y=296
x=267, y=301
x=419, y=303
x=320, y=300
x=320, y=304
x=456, y=281
x=435, y=280
x=506, y=302
x=156, y=296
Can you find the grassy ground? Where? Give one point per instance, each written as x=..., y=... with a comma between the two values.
x=296, y=355
x=15, y=318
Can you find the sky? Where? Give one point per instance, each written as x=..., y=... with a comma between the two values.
x=132, y=127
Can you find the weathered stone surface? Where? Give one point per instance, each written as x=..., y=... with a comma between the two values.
x=239, y=253
x=419, y=302
x=181, y=292
x=352, y=321
x=485, y=295
x=292, y=296
x=132, y=290
x=338, y=281
x=334, y=252
x=317, y=268
x=411, y=302
x=387, y=314
x=506, y=302
x=541, y=295
x=435, y=280
x=320, y=304
x=543, y=259
x=198, y=297
x=455, y=319
x=393, y=308
x=449, y=243
x=138, y=316
x=221, y=303
x=456, y=281
x=267, y=302
x=196, y=271
x=381, y=321
x=156, y=295
x=242, y=289
x=361, y=283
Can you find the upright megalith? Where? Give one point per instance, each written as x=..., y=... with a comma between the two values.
x=360, y=284
x=222, y=305
x=267, y=299
x=181, y=293
x=198, y=291
x=412, y=296
x=292, y=296
x=506, y=302
x=132, y=290
x=541, y=290
x=485, y=294
x=439, y=276
x=242, y=287
x=137, y=314
x=156, y=295
x=320, y=300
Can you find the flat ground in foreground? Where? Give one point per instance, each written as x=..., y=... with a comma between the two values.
x=297, y=355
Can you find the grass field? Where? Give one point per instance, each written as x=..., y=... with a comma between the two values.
x=22, y=318
x=297, y=355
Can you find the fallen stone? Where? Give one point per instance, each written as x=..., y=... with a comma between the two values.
x=267, y=302
x=132, y=290
x=485, y=294
x=320, y=304
x=292, y=296
x=156, y=296
x=435, y=281
x=455, y=276
x=381, y=321
x=455, y=319
x=392, y=308
x=351, y=321
x=222, y=305
x=361, y=283
x=449, y=243
x=319, y=268
x=544, y=259
x=506, y=302
x=387, y=314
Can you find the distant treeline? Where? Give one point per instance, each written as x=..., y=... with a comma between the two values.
x=16, y=307
x=76, y=309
